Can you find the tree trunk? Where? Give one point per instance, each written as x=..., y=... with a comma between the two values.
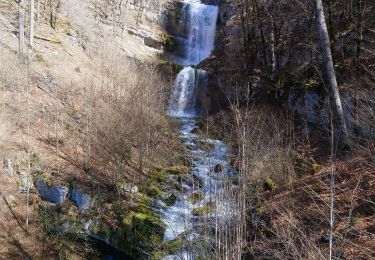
x=330, y=72
x=21, y=11
x=31, y=28
x=358, y=61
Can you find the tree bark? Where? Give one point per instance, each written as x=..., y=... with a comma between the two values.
x=21, y=12
x=330, y=72
x=32, y=21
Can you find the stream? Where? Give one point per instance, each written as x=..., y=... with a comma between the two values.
x=194, y=216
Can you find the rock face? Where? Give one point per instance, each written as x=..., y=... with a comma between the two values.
x=227, y=61
x=82, y=200
x=55, y=194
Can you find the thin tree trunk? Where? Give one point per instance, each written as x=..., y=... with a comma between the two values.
x=31, y=28
x=38, y=11
x=273, y=53
x=21, y=11
x=358, y=61
x=330, y=71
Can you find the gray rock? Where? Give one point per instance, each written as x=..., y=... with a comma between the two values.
x=72, y=33
x=82, y=200
x=8, y=166
x=11, y=200
x=26, y=182
x=129, y=188
x=55, y=194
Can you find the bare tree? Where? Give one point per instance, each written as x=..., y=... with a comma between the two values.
x=31, y=26
x=21, y=11
x=330, y=71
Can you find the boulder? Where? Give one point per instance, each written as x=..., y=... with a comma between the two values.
x=25, y=183
x=8, y=166
x=81, y=199
x=55, y=194
x=129, y=188
x=11, y=200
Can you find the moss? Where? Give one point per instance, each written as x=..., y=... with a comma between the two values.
x=354, y=220
x=96, y=230
x=316, y=168
x=204, y=145
x=170, y=200
x=140, y=230
x=153, y=189
x=178, y=170
x=165, y=64
x=196, y=197
x=205, y=210
x=40, y=58
x=158, y=255
x=269, y=185
x=168, y=42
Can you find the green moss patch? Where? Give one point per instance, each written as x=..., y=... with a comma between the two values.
x=178, y=170
x=205, y=210
x=196, y=197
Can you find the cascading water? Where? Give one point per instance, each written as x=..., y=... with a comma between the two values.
x=181, y=218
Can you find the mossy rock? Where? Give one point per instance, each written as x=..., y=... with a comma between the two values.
x=153, y=189
x=196, y=197
x=168, y=42
x=163, y=64
x=184, y=160
x=205, y=210
x=205, y=146
x=140, y=232
x=170, y=200
x=178, y=170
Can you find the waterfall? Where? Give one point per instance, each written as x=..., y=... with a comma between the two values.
x=181, y=218
x=201, y=21
x=184, y=101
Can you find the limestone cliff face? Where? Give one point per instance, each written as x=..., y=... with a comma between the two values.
x=227, y=62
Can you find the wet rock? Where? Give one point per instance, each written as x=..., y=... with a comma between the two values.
x=55, y=194
x=170, y=200
x=218, y=168
x=81, y=199
x=26, y=182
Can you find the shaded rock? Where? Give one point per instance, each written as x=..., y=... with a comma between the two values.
x=82, y=200
x=55, y=194
x=325, y=238
x=218, y=168
x=150, y=42
x=26, y=182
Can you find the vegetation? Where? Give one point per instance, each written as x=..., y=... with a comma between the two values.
x=83, y=103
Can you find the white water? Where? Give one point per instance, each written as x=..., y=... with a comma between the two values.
x=179, y=218
x=201, y=21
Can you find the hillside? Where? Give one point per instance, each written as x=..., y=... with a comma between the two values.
x=187, y=129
